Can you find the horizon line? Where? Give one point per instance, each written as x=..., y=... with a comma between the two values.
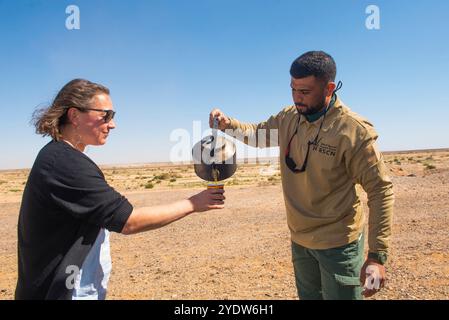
x=253, y=160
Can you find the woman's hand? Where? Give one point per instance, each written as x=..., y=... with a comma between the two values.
x=207, y=200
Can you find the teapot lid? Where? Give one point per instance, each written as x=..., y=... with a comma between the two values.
x=213, y=149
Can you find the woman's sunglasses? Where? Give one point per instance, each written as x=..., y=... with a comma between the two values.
x=109, y=114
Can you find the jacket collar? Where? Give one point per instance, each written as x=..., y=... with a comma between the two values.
x=329, y=119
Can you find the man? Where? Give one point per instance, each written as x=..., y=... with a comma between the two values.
x=326, y=150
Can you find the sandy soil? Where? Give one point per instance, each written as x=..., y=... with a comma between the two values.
x=243, y=251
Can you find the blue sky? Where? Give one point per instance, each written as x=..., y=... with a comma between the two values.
x=167, y=63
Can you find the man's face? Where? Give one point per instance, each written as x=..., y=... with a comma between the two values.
x=309, y=94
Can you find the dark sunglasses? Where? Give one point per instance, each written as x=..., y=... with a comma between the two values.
x=107, y=117
x=291, y=164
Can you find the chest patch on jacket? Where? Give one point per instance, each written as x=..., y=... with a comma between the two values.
x=324, y=148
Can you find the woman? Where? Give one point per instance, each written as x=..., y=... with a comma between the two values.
x=68, y=208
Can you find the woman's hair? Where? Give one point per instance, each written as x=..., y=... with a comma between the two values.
x=78, y=93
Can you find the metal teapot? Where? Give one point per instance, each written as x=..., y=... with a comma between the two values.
x=214, y=157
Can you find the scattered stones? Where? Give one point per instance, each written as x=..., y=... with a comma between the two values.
x=243, y=251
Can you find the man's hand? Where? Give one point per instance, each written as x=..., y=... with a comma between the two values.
x=223, y=120
x=207, y=200
x=372, y=277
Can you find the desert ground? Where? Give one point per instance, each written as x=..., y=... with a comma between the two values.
x=243, y=251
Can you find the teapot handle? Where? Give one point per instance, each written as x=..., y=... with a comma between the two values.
x=214, y=137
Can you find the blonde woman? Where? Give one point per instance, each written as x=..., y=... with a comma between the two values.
x=68, y=208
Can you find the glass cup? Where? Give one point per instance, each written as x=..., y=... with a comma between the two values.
x=215, y=186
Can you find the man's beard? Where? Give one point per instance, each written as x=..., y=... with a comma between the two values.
x=311, y=109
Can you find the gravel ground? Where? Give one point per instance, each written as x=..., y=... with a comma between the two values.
x=243, y=251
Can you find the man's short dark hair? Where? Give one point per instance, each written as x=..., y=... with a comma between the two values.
x=314, y=63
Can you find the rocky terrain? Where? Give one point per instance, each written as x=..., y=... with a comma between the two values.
x=243, y=251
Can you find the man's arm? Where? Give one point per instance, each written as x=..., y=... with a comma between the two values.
x=260, y=135
x=149, y=218
x=367, y=168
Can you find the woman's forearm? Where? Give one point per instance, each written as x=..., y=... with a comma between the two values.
x=148, y=218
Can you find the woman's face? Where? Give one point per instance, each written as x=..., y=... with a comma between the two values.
x=92, y=127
